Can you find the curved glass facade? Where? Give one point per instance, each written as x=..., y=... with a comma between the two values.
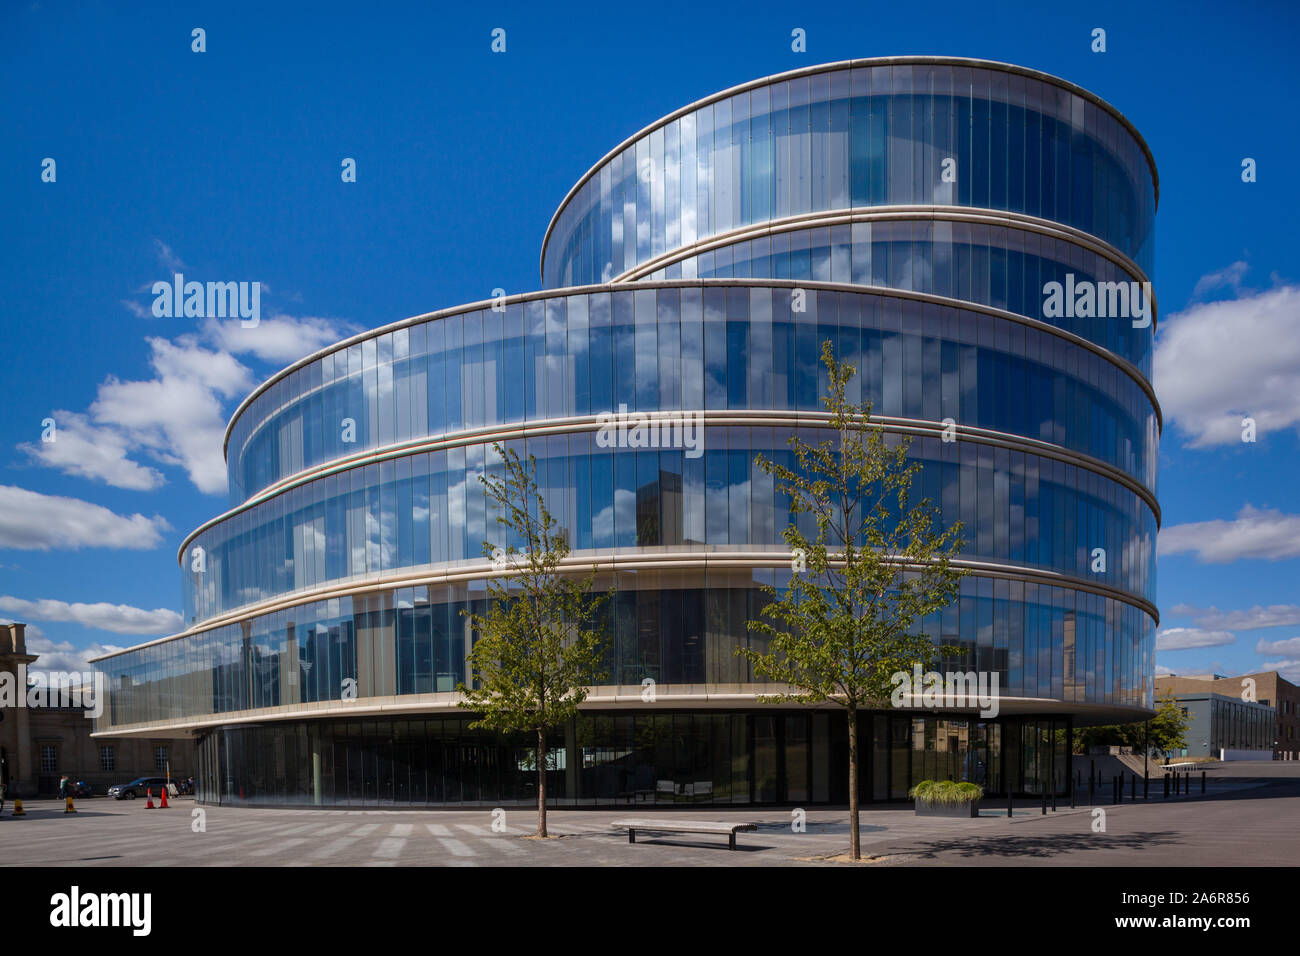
x=428, y=510
x=848, y=136
x=697, y=346
x=990, y=265
x=680, y=628
x=354, y=538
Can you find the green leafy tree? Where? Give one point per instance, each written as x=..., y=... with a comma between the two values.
x=1168, y=727
x=1109, y=735
x=1167, y=732
x=537, y=649
x=876, y=565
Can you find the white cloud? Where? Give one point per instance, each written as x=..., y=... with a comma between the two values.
x=186, y=360
x=1264, y=533
x=1218, y=362
x=62, y=656
x=86, y=450
x=1182, y=638
x=31, y=521
x=118, y=618
x=166, y=258
x=178, y=415
x=1275, y=615
x=280, y=338
x=1290, y=669
x=1289, y=646
x=622, y=514
x=1225, y=278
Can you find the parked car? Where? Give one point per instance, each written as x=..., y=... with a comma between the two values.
x=82, y=789
x=137, y=788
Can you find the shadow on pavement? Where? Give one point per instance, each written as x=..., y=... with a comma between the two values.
x=1030, y=847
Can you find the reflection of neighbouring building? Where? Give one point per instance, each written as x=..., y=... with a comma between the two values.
x=1220, y=719
x=38, y=745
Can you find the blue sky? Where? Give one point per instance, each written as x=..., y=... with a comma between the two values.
x=225, y=165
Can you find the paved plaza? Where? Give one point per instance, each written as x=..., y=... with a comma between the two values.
x=1250, y=816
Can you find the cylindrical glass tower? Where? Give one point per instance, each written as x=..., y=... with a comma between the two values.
x=914, y=211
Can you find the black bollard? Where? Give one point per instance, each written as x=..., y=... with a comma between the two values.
x=1146, y=782
x=1092, y=792
x=1044, y=802
x=1202, y=781
x=1008, y=801
x=1166, y=786
x=1133, y=787
x=1073, y=792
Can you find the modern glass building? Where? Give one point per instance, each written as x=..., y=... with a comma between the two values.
x=910, y=210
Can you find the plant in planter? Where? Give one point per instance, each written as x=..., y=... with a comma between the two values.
x=946, y=798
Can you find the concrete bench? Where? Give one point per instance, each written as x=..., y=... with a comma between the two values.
x=682, y=826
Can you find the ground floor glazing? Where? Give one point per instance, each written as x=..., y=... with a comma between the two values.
x=655, y=759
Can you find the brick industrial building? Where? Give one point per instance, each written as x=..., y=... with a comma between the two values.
x=1270, y=689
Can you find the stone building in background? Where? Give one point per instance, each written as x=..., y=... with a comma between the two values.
x=39, y=744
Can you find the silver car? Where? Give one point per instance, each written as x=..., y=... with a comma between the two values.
x=137, y=788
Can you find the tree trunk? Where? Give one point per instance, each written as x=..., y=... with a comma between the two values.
x=855, y=842
x=541, y=781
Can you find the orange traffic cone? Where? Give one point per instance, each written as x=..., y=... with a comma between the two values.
x=149, y=805
x=163, y=805
x=68, y=807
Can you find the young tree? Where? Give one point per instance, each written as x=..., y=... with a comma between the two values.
x=1109, y=735
x=537, y=649
x=1167, y=732
x=1168, y=727
x=875, y=566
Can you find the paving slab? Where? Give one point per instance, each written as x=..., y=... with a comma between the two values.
x=1249, y=816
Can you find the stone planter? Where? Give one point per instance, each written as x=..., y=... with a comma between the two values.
x=966, y=809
